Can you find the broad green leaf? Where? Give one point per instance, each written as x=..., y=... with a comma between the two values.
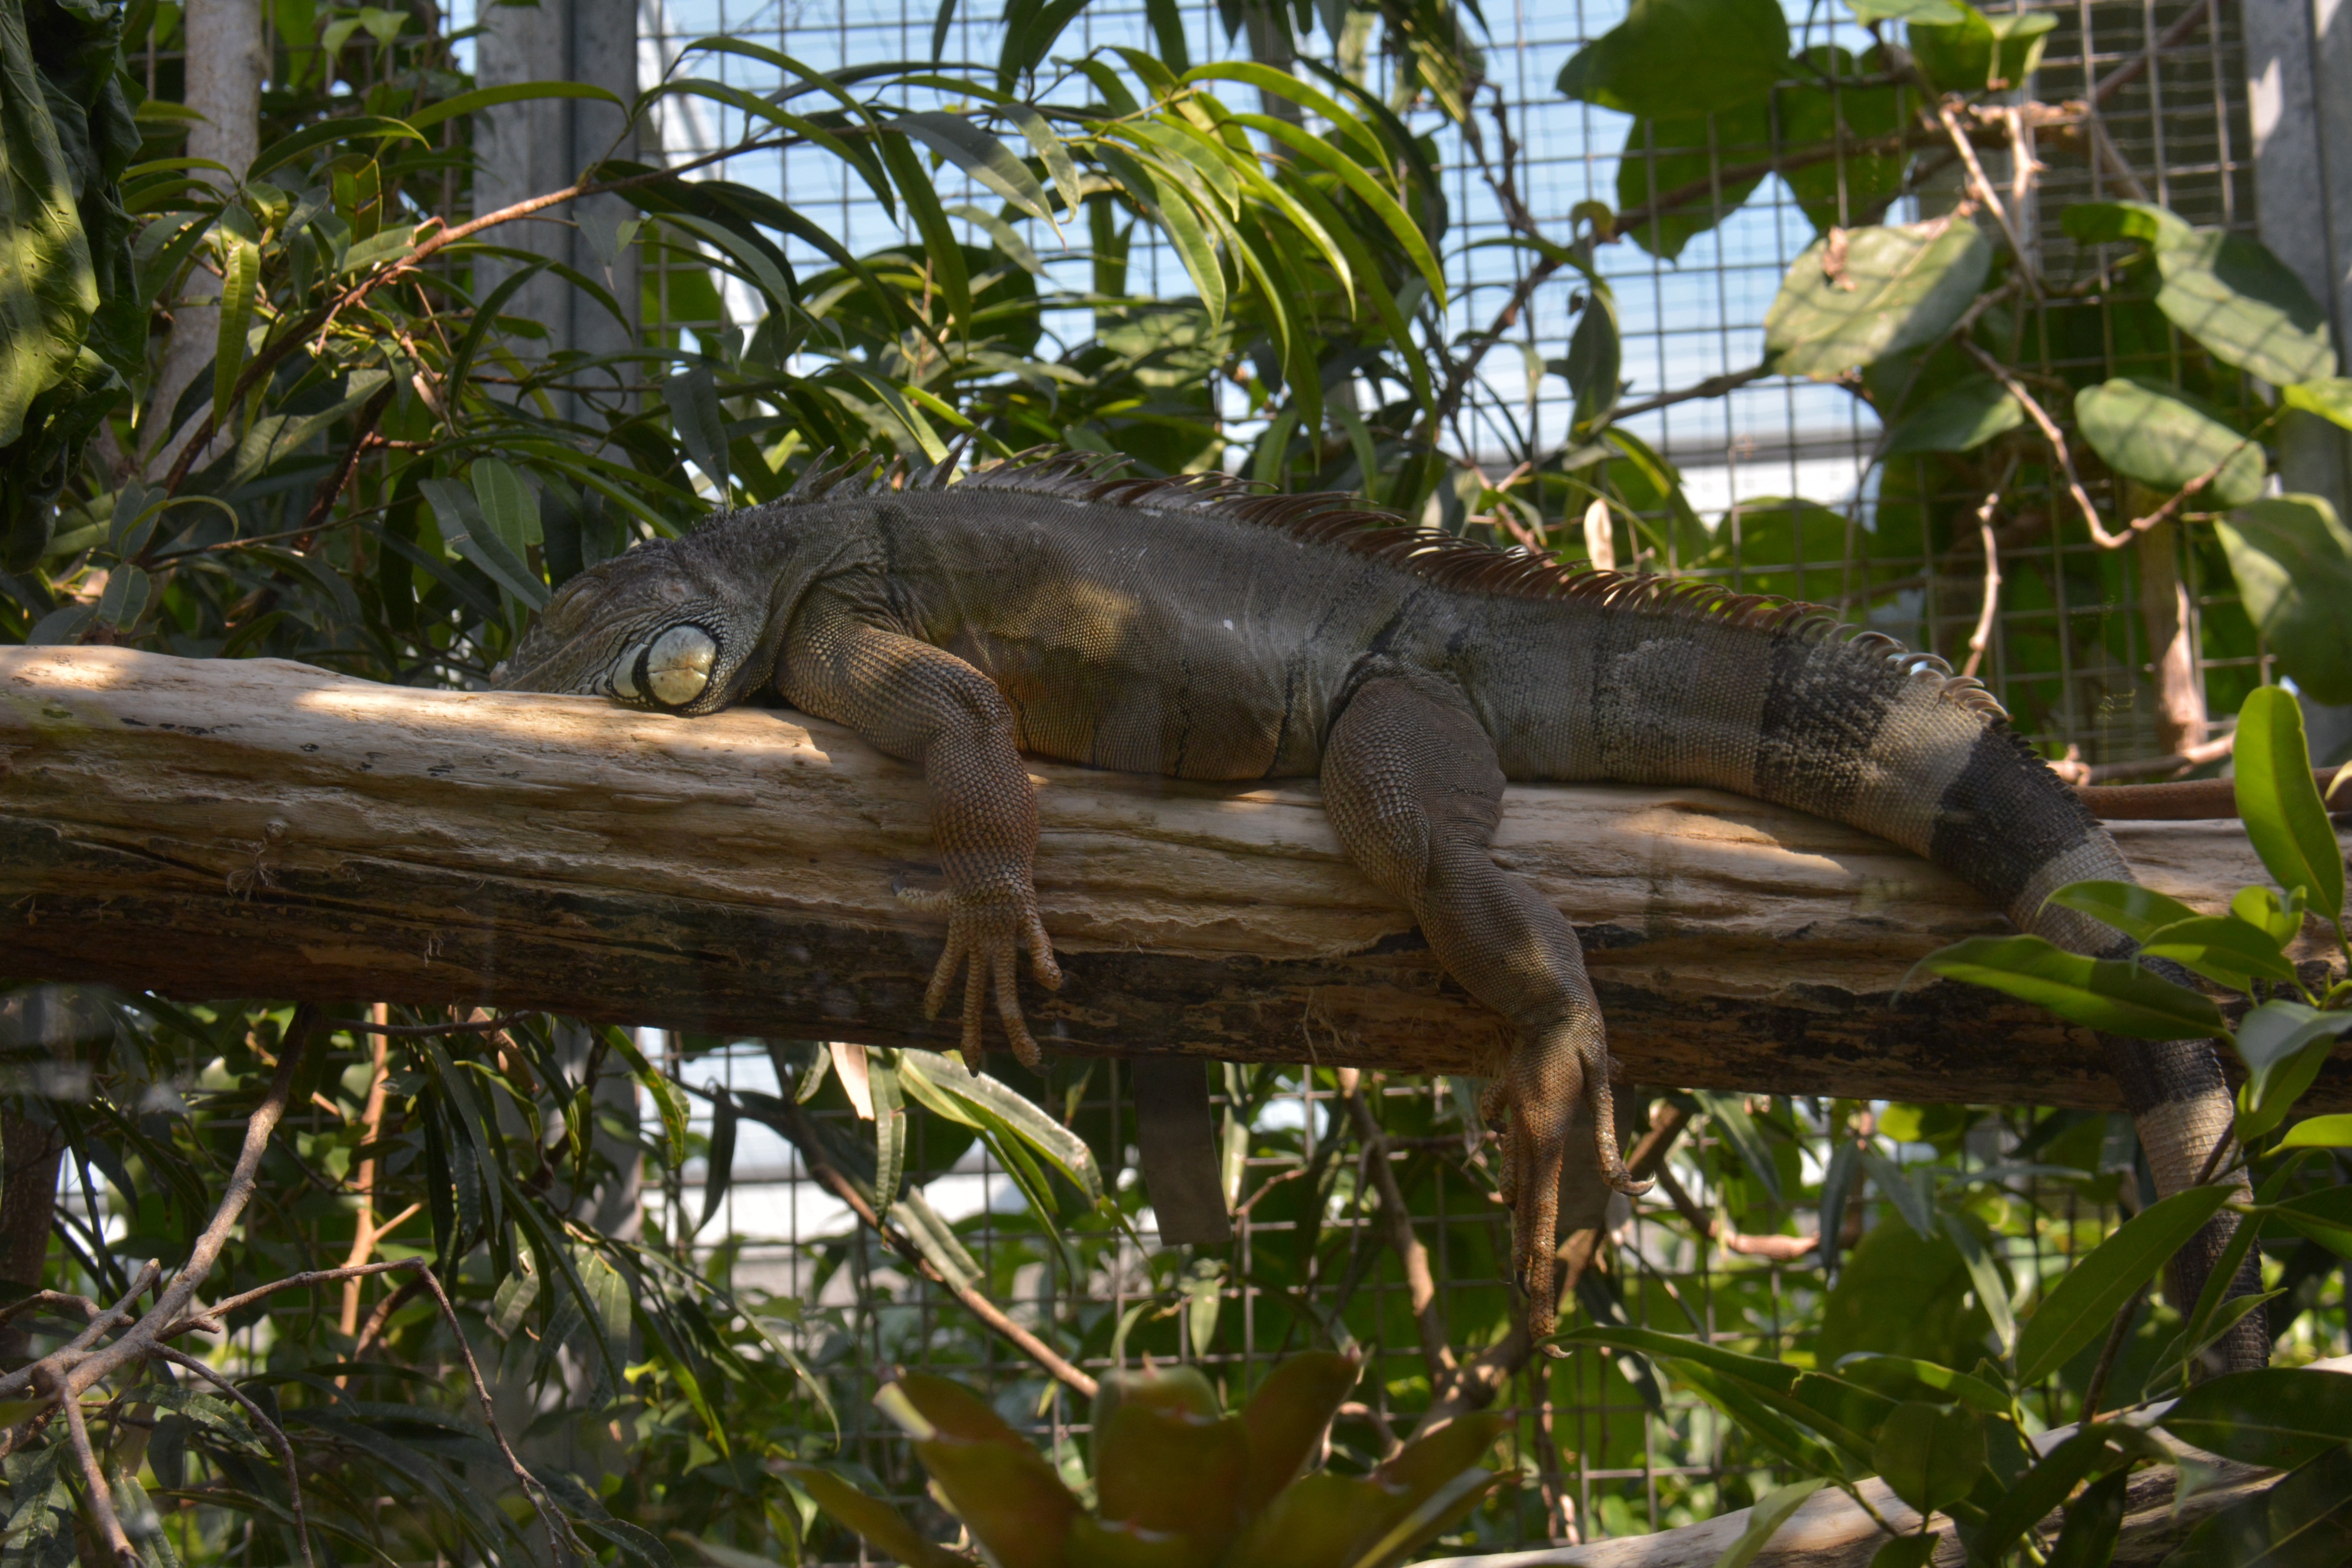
x=2157, y=435
x=2109, y=994
x=1594, y=367
x=1931, y=1455
x=1902, y=1375
x=1959, y=418
x=2283, y=814
x=2229, y=293
x=2302, y=1520
x=2325, y=1216
x=1896, y=289
x=2222, y=947
x=1682, y=56
x=507, y=505
x=2086, y=1298
x=1838, y=192
x=2276, y=1416
x=2107, y=222
x=2293, y=560
x=1169, y=1469
x=1933, y=10
x=1765, y=1520
x=2139, y=912
x=1685, y=152
x=1979, y=51
x=2283, y=1045
x=2319, y=1133
x=2280, y=918
x=979, y=155
x=1287, y=1416
x=2330, y=398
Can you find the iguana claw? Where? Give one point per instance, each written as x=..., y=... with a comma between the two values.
x=986, y=931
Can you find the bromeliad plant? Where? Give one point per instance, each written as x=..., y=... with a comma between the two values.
x=1177, y=1482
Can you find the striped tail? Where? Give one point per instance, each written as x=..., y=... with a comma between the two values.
x=1789, y=708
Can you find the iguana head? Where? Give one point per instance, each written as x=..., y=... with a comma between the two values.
x=656, y=628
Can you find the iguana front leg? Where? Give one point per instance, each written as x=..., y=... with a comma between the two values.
x=929, y=707
x=1414, y=788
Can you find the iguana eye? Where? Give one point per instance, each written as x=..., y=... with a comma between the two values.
x=677, y=666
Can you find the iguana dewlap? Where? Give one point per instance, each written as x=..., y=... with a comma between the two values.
x=1194, y=628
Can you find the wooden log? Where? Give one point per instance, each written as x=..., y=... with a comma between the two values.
x=211, y=829
x=1829, y=1531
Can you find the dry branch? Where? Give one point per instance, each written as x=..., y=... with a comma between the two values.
x=255, y=828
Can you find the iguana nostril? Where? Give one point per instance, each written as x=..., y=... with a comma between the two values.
x=677, y=666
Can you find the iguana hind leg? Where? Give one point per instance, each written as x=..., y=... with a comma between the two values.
x=1414, y=791
x=925, y=704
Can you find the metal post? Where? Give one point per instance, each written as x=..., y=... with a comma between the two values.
x=539, y=145
x=2299, y=86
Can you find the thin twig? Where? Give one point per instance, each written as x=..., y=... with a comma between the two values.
x=1714, y=386
x=478, y=1026
x=2054, y=436
x=101, y=1495
x=1982, y=636
x=795, y=1126
x=260, y=1417
x=2172, y=37
x=1982, y=189
x=371, y=1331
x=2116, y=1334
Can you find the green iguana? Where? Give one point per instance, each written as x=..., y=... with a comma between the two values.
x=1194, y=627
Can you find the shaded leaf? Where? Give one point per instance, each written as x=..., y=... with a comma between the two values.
x=2292, y=560
x=2088, y=1296
x=2275, y=1416
x=2109, y=994
x=2160, y=436
x=1896, y=289
x=1682, y=56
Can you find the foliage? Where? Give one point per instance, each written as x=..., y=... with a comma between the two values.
x=385, y=466
x=1174, y=1480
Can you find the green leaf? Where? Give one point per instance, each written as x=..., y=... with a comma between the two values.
x=2160, y=436
x=1959, y=418
x=877, y=1522
x=2110, y=994
x=979, y=155
x=1728, y=1113
x=942, y=249
x=1055, y=154
x=2111, y=222
x=464, y=531
x=2088, y=1298
x=2025, y=1502
x=1898, y=288
x=1931, y=1455
x=719, y=1168
x=1674, y=153
x=2283, y=1045
x=1901, y=1374
x=1978, y=51
x=2330, y=398
x=2325, y=1216
x=1287, y=1416
x=1682, y=56
x=2283, y=814
x=693, y=399
x=2319, y=1133
x=2293, y=560
x=2302, y=1520
x=1931, y=11
x=1984, y=1273
x=2139, y=912
x=2222, y=947
x=666, y=1096
x=481, y=97
x=1838, y=192
x=507, y=505
x=889, y=1125
x=2277, y=1416
x=2280, y=918
x=241, y=277
x=1063, y=1148
x=1906, y=1551
x=2229, y=293
x=1594, y=368
x=2094, y=1521
x=1765, y=1520
x=325, y=132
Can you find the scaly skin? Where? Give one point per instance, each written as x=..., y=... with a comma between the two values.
x=1192, y=629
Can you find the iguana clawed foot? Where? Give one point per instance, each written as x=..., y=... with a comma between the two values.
x=987, y=928
x=1551, y=1075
